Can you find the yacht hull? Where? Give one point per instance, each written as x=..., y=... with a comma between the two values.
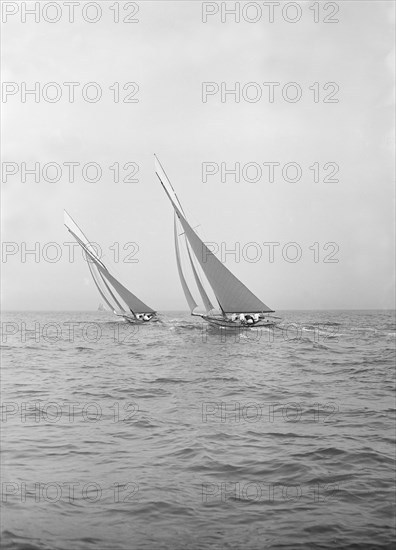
x=134, y=321
x=232, y=325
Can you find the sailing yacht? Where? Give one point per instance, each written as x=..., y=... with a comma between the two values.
x=119, y=299
x=238, y=306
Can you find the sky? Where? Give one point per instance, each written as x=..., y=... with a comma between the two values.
x=170, y=52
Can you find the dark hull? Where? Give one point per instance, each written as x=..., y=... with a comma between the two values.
x=135, y=321
x=223, y=323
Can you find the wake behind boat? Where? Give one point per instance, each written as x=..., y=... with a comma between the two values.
x=118, y=298
x=239, y=307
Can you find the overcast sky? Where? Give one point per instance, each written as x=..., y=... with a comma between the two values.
x=169, y=53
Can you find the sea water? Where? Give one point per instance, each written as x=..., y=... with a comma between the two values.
x=177, y=436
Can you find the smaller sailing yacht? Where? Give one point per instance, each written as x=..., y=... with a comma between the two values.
x=119, y=299
x=239, y=307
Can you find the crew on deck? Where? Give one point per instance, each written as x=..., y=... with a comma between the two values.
x=143, y=316
x=245, y=318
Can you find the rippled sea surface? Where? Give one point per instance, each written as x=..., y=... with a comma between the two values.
x=176, y=436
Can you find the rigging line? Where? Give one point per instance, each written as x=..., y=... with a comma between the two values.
x=79, y=228
x=84, y=246
x=180, y=234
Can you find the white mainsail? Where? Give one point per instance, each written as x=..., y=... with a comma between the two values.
x=233, y=296
x=117, y=296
